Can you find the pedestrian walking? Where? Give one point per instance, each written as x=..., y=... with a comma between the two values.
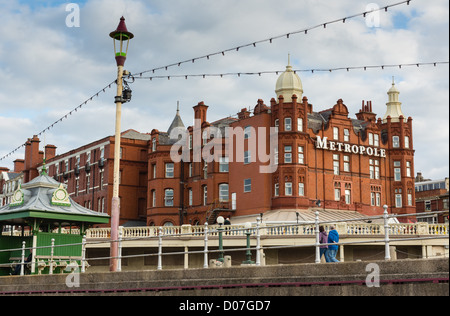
x=333, y=238
x=323, y=239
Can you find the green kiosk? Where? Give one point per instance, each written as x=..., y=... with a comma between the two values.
x=41, y=213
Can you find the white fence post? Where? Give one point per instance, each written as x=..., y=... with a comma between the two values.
x=387, y=255
x=119, y=251
x=159, y=249
x=317, y=238
x=205, y=261
x=258, y=242
x=83, y=255
x=22, y=262
x=51, y=256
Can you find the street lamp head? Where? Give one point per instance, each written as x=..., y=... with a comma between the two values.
x=220, y=220
x=121, y=35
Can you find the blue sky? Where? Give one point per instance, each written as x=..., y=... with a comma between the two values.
x=48, y=69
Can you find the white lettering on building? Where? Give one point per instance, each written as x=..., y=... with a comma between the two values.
x=348, y=148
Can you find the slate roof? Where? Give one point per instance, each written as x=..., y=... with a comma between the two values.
x=37, y=203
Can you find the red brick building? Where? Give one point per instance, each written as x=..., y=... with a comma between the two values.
x=283, y=156
x=88, y=173
x=431, y=196
x=350, y=164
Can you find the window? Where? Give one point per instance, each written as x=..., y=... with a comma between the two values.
x=190, y=141
x=375, y=195
x=337, y=194
x=88, y=182
x=428, y=205
x=348, y=196
x=397, y=171
x=277, y=190
x=398, y=200
x=300, y=124
x=223, y=164
x=410, y=199
x=301, y=157
x=247, y=132
x=205, y=170
x=276, y=156
x=247, y=185
x=406, y=141
x=288, y=124
x=408, y=168
x=153, y=198
x=154, y=171
x=376, y=140
x=288, y=188
x=277, y=124
x=347, y=163
x=233, y=201
x=287, y=154
x=247, y=157
x=168, y=197
x=336, y=133
x=223, y=192
x=374, y=168
x=371, y=139
x=395, y=141
x=348, y=193
x=205, y=137
x=169, y=170
x=336, y=164
x=154, y=144
x=346, y=135
x=205, y=195
x=191, y=169
x=301, y=189
x=191, y=198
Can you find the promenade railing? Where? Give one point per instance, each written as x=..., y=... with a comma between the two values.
x=382, y=233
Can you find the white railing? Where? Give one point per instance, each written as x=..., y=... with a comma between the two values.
x=351, y=229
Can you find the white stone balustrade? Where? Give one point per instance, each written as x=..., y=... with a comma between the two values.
x=351, y=229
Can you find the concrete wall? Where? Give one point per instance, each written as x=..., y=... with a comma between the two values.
x=348, y=279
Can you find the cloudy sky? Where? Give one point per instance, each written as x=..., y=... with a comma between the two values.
x=50, y=65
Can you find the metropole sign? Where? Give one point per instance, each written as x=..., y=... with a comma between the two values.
x=349, y=148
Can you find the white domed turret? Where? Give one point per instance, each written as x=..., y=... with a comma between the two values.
x=394, y=106
x=289, y=83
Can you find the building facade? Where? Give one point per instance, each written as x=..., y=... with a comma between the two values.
x=285, y=156
x=431, y=196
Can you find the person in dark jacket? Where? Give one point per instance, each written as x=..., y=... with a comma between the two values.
x=323, y=239
x=333, y=237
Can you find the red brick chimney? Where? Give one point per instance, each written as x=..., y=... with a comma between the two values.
x=200, y=112
x=19, y=165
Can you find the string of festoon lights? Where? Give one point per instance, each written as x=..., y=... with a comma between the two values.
x=272, y=39
x=48, y=128
x=276, y=72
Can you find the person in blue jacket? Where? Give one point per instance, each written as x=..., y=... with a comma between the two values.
x=333, y=237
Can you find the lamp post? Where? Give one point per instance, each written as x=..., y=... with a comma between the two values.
x=121, y=38
x=248, y=253
x=220, y=221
